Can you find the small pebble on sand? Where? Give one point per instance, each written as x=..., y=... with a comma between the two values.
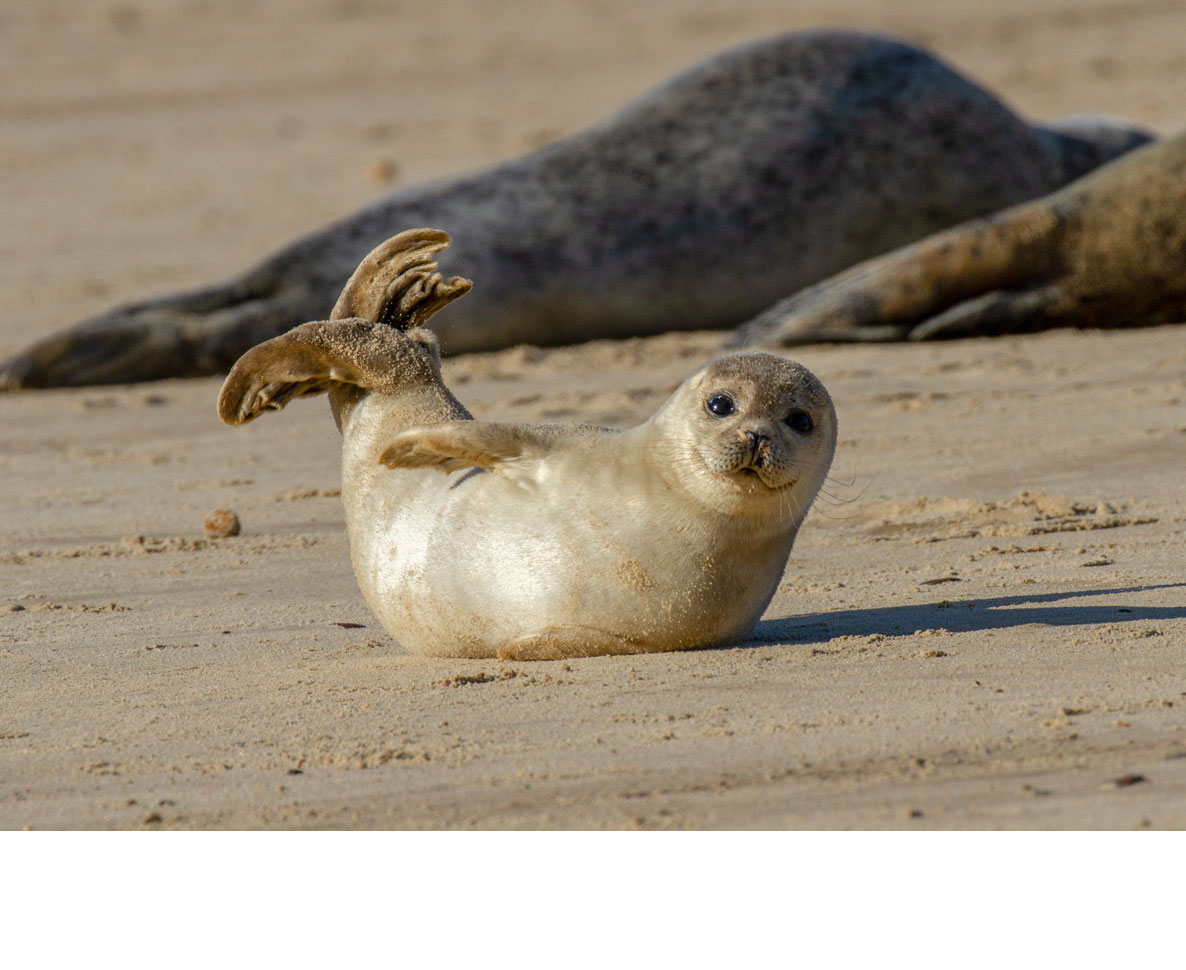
x=221, y=523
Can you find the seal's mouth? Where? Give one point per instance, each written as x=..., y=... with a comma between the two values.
x=753, y=478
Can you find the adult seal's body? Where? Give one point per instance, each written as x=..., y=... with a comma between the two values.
x=1107, y=250
x=719, y=193
x=555, y=541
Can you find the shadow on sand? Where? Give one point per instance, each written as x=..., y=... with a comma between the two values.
x=963, y=616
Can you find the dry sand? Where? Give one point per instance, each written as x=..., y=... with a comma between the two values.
x=983, y=624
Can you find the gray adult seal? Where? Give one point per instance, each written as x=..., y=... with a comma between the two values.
x=556, y=541
x=758, y=172
x=1108, y=250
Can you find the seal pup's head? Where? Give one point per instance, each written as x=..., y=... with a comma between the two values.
x=750, y=434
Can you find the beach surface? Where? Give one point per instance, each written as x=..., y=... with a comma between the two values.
x=983, y=624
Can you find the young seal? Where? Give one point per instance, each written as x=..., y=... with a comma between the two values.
x=559, y=541
x=1108, y=250
x=730, y=187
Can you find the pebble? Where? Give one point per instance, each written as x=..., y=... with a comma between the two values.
x=220, y=524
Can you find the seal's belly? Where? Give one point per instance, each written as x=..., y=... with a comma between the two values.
x=459, y=566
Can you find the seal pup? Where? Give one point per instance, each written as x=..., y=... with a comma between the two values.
x=1109, y=250
x=762, y=170
x=557, y=540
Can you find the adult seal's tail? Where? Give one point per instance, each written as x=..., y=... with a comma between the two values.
x=752, y=175
x=1108, y=250
x=556, y=540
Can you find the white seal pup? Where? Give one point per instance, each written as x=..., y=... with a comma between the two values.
x=758, y=172
x=1108, y=250
x=555, y=541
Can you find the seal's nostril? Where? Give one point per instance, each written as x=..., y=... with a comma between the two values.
x=757, y=442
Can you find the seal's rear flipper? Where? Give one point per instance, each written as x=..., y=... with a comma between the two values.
x=397, y=283
x=395, y=289
x=311, y=358
x=455, y=445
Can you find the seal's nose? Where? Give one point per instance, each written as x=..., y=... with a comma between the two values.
x=756, y=441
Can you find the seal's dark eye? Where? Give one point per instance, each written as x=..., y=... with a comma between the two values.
x=800, y=421
x=721, y=405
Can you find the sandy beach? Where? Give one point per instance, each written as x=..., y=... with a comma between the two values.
x=982, y=626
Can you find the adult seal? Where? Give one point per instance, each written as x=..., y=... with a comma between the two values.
x=556, y=541
x=1108, y=250
x=754, y=174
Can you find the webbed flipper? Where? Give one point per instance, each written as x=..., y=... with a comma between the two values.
x=398, y=288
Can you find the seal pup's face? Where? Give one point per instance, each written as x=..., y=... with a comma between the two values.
x=759, y=430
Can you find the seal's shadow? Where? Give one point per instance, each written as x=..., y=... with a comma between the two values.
x=962, y=616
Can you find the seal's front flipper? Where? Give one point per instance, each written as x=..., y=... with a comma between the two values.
x=993, y=314
x=887, y=297
x=455, y=445
x=563, y=643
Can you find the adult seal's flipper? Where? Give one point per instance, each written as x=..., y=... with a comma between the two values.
x=889, y=298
